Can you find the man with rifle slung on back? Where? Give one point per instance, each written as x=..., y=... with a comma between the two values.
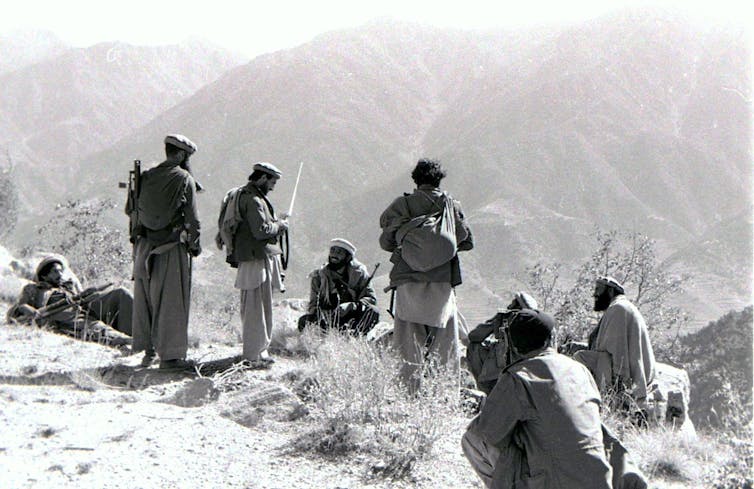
x=165, y=233
x=341, y=294
x=55, y=299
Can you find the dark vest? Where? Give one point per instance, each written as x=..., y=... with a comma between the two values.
x=245, y=246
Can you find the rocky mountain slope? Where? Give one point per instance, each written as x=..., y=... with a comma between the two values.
x=635, y=121
x=21, y=48
x=63, y=108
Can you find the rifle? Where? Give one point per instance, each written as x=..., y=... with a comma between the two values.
x=132, y=202
x=366, y=286
x=67, y=302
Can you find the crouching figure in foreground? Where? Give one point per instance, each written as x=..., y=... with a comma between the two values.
x=540, y=426
x=56, y=300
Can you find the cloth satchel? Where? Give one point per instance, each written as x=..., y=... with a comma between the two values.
x=429, y=240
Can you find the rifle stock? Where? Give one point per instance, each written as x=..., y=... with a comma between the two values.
x=68, y=302
x=132, y=201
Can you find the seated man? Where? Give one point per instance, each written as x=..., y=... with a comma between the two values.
x=341, y=294
x=620, y=354
x=90, y=315
x=487, y=353
x=540, y=426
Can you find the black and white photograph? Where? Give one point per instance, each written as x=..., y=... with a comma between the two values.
x=397, y=244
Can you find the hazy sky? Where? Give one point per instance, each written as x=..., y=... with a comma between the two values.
x=258, y=27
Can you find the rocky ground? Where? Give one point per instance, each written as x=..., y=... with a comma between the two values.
x=76, y=414
x=72, y=419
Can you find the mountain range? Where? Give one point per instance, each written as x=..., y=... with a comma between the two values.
x=77, y=101
x=638, y=121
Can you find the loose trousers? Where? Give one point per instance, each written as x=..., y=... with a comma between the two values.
x=114, y=307
x=481, y=455
x=417, y=343
x=162, y=294
x=256, y=319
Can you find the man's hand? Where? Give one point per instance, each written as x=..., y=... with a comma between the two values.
x=196, y=249
x=346, y=308
x=218, y=241
x=283, y=225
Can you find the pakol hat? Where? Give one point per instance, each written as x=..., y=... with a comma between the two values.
x=530, y=329
x=345, y=244
x=611, y=282
x=181, y=142
x=47, y=260
x=268, y=168
x=525, y=301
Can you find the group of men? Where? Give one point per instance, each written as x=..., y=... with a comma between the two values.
x=540, y=421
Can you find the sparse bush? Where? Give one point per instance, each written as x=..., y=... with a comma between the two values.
x=215, y=317
x=360, y=406
x=630, y=258
x=95, y=250
x=718, y=359
x=8, y=197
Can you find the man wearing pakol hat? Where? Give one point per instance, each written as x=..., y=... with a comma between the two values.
x=620, y=353
x=341, y=294
x=256, y=253
x=95, y=314
x=167, y=236
x=540, y=426
x=426, y=324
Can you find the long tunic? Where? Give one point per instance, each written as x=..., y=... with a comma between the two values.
x=543, y=415
x=623, y=334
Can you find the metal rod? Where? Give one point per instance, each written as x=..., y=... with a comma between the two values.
x=295, y=189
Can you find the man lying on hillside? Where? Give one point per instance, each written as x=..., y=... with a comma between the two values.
x=90, y=315
x=341, y=294
x=620, y=352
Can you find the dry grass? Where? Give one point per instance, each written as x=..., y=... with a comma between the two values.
x=715, y=459
x=359, y=407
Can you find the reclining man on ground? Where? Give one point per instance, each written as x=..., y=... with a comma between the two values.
x=55, y=299
x=341, y=294
x=488, y=344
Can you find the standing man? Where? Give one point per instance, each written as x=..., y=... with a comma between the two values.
x=620, y=354
x=341, y=294
x=257, y=254
x=166, y=237
x=426, y=319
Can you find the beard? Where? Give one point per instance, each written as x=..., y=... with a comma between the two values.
x=335, y=264
x=602, y=302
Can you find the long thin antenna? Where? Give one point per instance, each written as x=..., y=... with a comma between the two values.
x=295, y=189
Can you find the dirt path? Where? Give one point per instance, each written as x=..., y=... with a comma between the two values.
x=65, y=424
